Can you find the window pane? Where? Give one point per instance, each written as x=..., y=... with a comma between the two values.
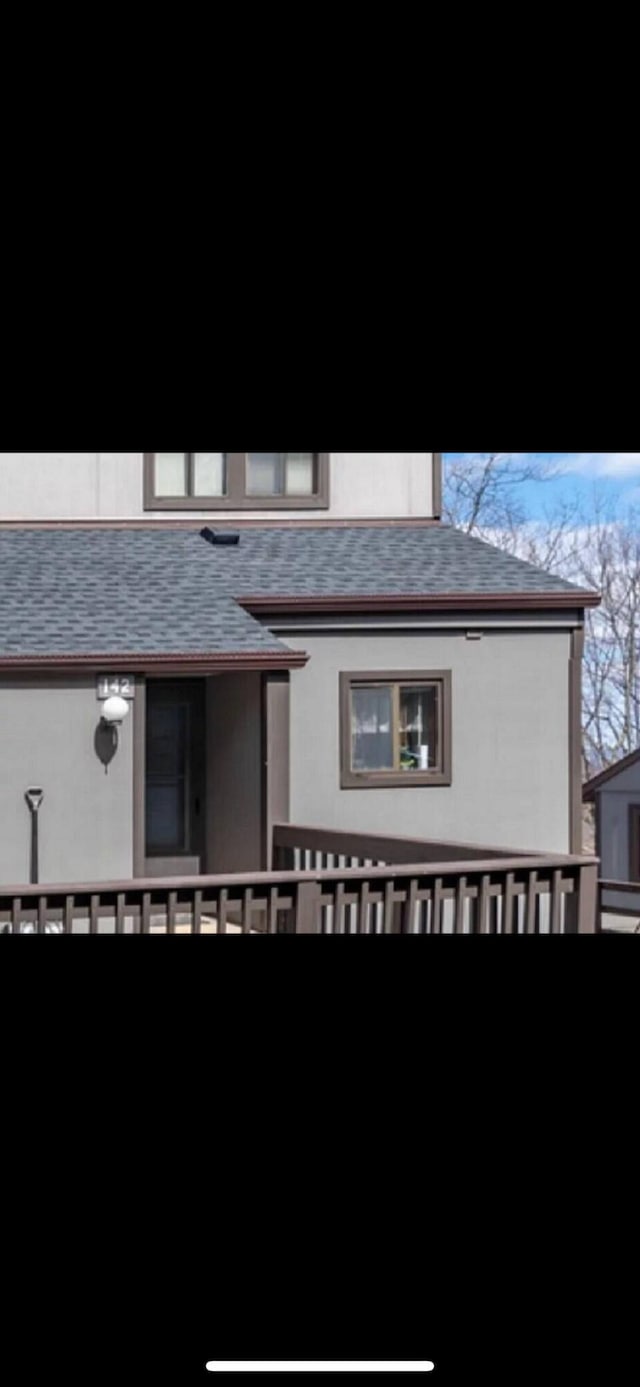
x=265, y=474
x=371, y=729
x=301, y=479
x=167, y=742
x=419, y=739
x=165, y=818
x=167, y=737
x=209, y=474
x=171, y=474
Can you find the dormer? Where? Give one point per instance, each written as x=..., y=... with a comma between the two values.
x=306, y=487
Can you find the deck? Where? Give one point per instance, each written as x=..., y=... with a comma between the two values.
x=325, y=882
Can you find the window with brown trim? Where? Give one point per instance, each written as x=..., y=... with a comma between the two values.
x=236, y=481
x=395, y=729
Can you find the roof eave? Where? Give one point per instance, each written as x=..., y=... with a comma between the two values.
x=539, y=601
x=591, y=787
x=141, y=663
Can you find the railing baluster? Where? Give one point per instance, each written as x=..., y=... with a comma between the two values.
x=364, y=909
x=459, y=910
x=145, y=922
x=272, y=926
x=42, y=914
x=531, y=918
x=339, y=921
x=436, y=908
x=120, y=912
x=389, y=922
x=508, y=903
x=494, y=912
x=69, y=905
x=409, y=908
x=94, y=906
x=196, y=927
x=555, y=924
x=247, y=911
x=483, y=906
x=16, y=914
x=223, y=906
x=171, y=916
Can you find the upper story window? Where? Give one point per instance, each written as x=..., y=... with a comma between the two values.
x=236, y=481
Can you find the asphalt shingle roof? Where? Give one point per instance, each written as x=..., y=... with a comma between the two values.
x=110, y=591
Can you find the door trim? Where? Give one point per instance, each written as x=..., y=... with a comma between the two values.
x=145, y=867
x=139, y=777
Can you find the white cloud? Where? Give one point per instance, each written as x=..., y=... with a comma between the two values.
x=602, y=464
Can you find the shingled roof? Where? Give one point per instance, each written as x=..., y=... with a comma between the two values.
x=128, y=591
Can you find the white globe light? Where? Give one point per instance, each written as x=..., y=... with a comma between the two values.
x=115, y=710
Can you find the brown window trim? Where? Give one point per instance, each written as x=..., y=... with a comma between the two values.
x=236, y=498
x=634, y=842
x=390, y=780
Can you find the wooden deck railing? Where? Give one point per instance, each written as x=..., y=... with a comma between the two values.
x=299, y=848
x=616, y=912
x=347, y=889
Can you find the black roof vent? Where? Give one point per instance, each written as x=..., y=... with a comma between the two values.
x=219, y=536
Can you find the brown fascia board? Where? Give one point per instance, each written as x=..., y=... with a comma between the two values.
x=159, y=664
x=409, y=602
x=222, y=522
x=591, y=787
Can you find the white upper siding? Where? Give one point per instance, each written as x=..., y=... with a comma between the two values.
x=109, y=486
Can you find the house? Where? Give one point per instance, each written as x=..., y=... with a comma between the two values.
x=615, y=795
x=297, y=638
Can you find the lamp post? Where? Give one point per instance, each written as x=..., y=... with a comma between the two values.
x=34, y=800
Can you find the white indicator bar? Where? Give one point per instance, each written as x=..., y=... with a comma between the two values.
x=348, y=1366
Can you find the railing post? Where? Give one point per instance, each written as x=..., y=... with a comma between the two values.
x=588, y=899
x=308, y=919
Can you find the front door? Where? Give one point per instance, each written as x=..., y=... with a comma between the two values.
x=175, y=777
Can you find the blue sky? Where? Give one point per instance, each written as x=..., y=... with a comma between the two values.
x=616, y=476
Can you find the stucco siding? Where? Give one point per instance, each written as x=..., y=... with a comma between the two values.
x=47, y=733
x=509, y=728
x=109, y=486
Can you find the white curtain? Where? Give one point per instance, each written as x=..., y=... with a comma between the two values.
x=171, y=474
x=209, y=469
x=300, y=474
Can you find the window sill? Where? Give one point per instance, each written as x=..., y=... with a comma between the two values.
x=231, y=503
x=370, y=780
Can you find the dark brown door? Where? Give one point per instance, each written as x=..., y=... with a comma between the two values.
x=175, y=777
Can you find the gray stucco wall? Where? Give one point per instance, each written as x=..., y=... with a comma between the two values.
x=510, y=738
x=109, y=486
x=510, y=756
x=47, y=735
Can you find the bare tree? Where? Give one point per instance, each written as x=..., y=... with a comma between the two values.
x=483, y=492
x=597, y=546
x=608, y=560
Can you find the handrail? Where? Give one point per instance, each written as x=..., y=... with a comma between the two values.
x=338, y=843
x=160, y=885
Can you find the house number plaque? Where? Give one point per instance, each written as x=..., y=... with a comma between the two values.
x=116, y=686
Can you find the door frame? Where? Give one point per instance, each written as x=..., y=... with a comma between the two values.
x=145, y=867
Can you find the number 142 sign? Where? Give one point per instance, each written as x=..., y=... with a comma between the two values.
x=116, y=686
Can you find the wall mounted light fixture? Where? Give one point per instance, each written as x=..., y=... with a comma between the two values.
x=114, y=712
